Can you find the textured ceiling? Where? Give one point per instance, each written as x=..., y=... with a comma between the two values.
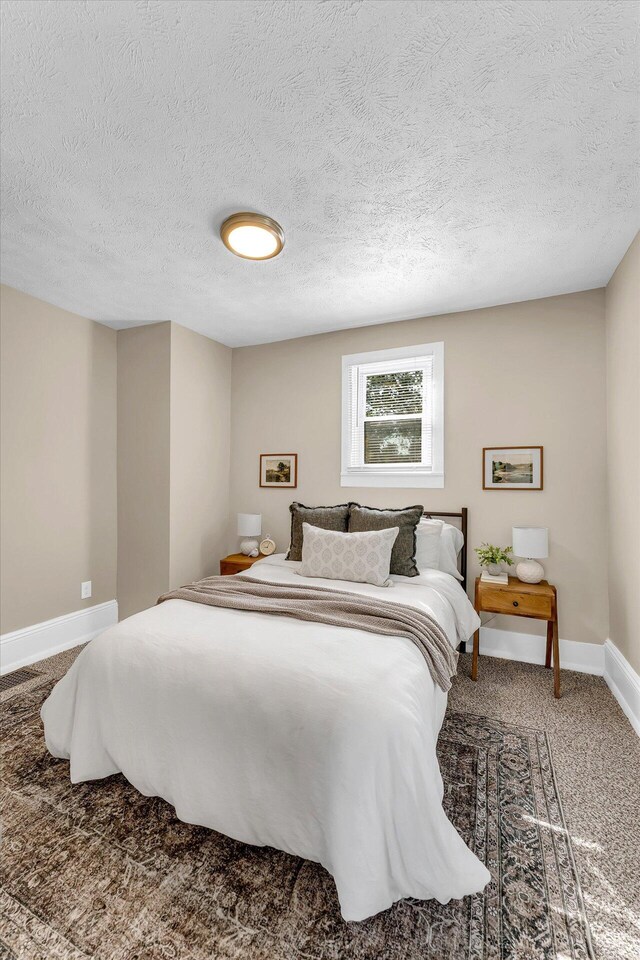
x=422, y=157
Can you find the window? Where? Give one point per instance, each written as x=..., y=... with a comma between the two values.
x=392, y=418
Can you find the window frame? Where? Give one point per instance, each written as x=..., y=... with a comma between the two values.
x=396, y=475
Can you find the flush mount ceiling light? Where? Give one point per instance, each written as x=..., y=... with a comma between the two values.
x=252, y=236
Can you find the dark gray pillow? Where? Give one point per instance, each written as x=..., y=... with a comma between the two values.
x=403, y=555
x=328, y=518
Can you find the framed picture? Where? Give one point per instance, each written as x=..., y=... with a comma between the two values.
x=512, y=468
x=278, y=469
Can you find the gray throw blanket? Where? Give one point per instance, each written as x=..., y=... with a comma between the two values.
x=335, y=607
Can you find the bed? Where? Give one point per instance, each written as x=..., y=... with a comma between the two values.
x=318, y=740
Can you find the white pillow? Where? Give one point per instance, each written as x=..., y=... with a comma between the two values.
x=428, y=544
x=360, y=557
x=437, y=546
x=451, y=543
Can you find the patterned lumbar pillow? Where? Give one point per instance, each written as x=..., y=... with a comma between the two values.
x=359, y=557
x=403, y=557
x=329, y=518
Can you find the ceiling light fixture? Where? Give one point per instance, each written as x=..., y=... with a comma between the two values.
x=252, y=236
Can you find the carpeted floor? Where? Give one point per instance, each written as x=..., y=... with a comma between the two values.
x=596, y=757
x=96, y=870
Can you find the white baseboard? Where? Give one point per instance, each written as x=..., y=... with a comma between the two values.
x=624, y=683
x=30, y=644
x=531, y=648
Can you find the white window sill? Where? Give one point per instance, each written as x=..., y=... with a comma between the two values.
x=414, y=480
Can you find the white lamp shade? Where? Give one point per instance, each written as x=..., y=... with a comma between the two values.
x=249, y=524
x=530, y=542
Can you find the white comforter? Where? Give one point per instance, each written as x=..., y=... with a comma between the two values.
x=314, y=739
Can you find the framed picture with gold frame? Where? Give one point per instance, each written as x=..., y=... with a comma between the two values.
x=512, y=468
x=279, y=470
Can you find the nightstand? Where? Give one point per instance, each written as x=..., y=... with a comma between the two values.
x=538, y=600
x=236, y=563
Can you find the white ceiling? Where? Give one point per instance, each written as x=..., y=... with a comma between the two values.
x=422, y=157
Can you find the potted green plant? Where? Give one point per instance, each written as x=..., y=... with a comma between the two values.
x=493, y=557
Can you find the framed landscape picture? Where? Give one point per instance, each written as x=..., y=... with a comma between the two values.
x=512, y=468
x=278, y=469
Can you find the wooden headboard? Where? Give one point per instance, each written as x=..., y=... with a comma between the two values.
x=461, y=515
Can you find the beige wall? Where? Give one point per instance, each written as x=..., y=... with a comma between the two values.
x=200, y=428
x=174, y=390
x=623, y=453
x=144, y=365
x=58, y=460
x=525, y=373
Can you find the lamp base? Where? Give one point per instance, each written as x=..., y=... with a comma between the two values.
x=249, y=548
x=530, y=571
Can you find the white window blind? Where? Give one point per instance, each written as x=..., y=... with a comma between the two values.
x=392, y=418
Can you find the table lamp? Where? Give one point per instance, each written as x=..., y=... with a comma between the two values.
x=249, y=527
x=532, y=543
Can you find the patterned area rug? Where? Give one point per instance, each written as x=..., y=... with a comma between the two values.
x=9, y=680
x=96, y=870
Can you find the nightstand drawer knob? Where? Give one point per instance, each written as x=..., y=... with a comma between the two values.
x=515, y=603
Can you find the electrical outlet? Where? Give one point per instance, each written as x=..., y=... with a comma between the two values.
x=85, y=590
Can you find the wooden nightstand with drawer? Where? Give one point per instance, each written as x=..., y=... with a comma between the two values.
x=236, y=563
x=519, y=599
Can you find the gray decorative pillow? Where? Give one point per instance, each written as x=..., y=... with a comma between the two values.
x=359, y=557
x=328, y=518
x=403, y=556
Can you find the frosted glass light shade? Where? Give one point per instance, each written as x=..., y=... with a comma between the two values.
x=252, y=242
x=249, y=524
x=530, y=542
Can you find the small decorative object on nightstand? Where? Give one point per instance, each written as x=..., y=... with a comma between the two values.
x=236, y=563
x=491, y=559
x=539, y=600
x=249, y=526
x=267, y=546
x=533, y=544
